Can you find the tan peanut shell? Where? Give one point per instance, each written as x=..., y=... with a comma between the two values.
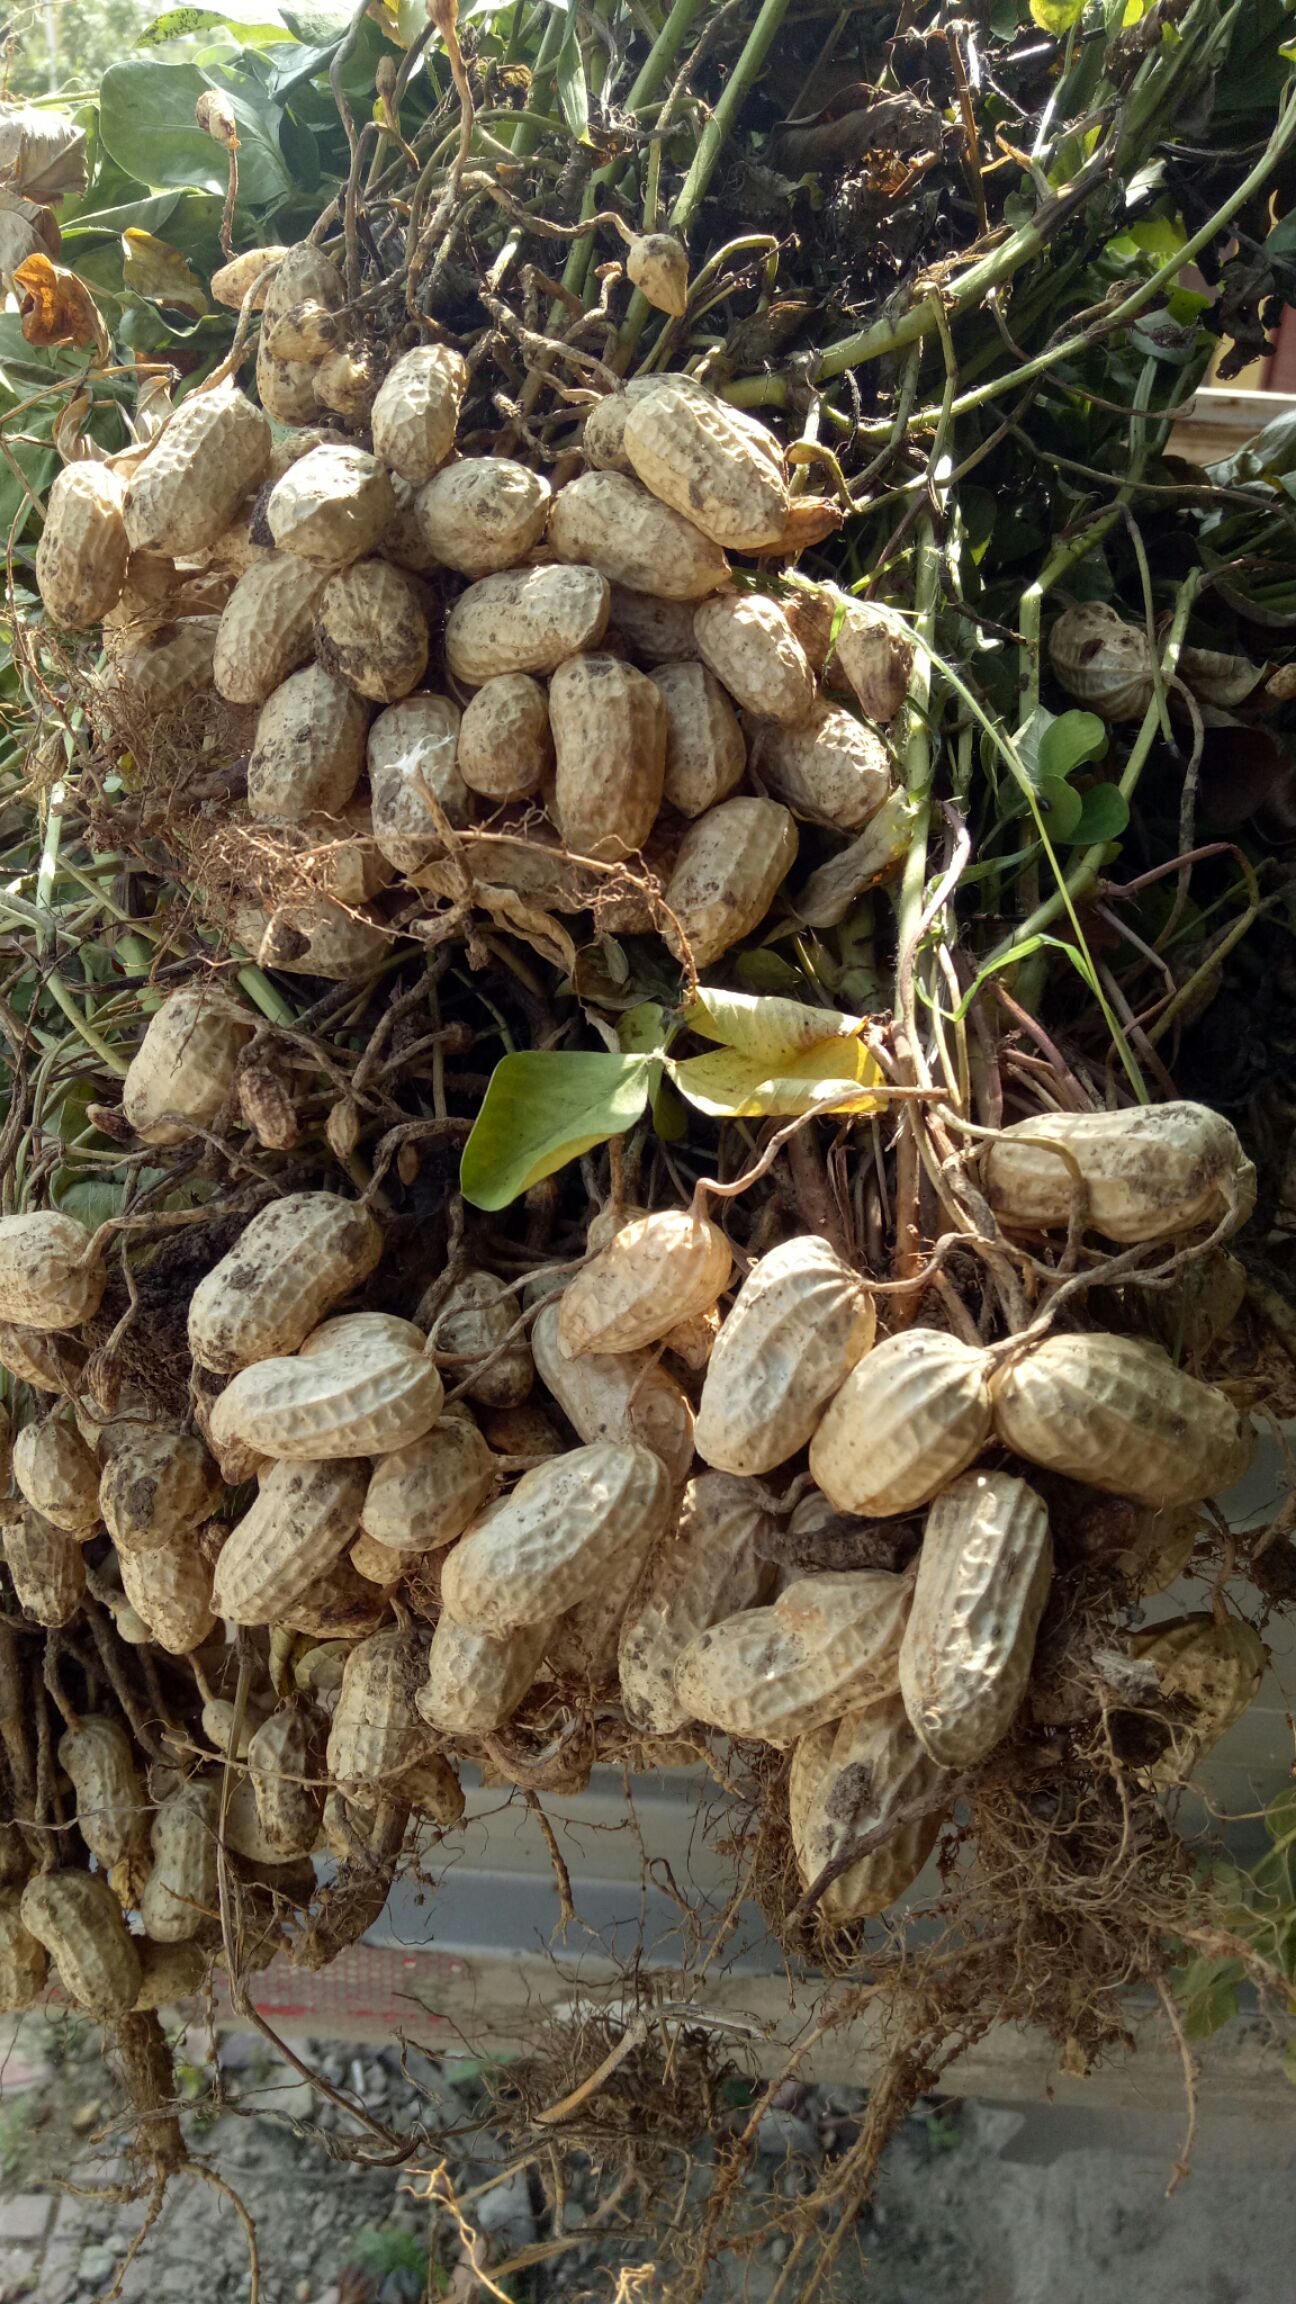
x=337, y=852
x=23, y=1965
x=211, y=454
x=582, y=1642
x=56, y=1473
x=267, y=1107
x=360, y=1386
x=656, y=1270
x=421, y=1497
x=417, y=409
x=331, y=506
x=1102, y=661
x=378, y=1564
x=412, y=753
x=226, y=1729
x=169, y=1973
x=731, y=864
x=983, y=1578
x=611, y=523
x=295, y=1260
x=1209, y=1671
x=433, y=1790
x=907, y=1421
x=856, y=1776
x=111, y=1812
x=875, y=652
x=711, y=1567
x=747, y=642
x=231, y=282
x=302, y=1520
x=693, y=1340
x=376, y=1733
x=471, y=1324
x=286, y=388
x=181, y=1891
x=829, y=1644
x=525, y=1431
x=347, y=381
x=706, y=751
x=801, y=1321
x=525, y=620
x=1159, y=1549
x=304, y=274
x=156, y=1488
x=267, y=627
x=505, y=741
x=371, y=629
x=308, y=331
x=309, y=748
x=281, y=1757
x=82, y=555
x=609, y=732
x=75, y=1915
x=45, y=1564
x=657, y=264
x=482, y=515
x=654, y=630
x=167, y=668
x=603, y=436
x=625, y=1397
x=47, y=1280
x=183, y=1070
x=1149, y=1172
x=340, y=1605
x=535, y=1553
x=829, y=767
x=1116, y=1413
x=318, y=937
x=700, y=456
x=48, y=1362
x=475, y=1682
x=170, y=1591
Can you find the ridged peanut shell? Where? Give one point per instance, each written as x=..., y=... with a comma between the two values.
x=286, y=388
x=583, y=1641
x=875, y=652
x=156, y=1488
x=603, y=435
x=731, y=864
x=211, y=454
x=475, y=1682
x=1211, y=1671
x=829, y=893
x=482, y=514
x=75, y=1915
x=535, y=1553
x=296, y=1259
x=170, y=1591
x=525, y=620
x=166, y=668
x=413, y=751
x=360, y=1386
x=231, y=282
x=613, y=524
x=624, y=1397
x=505, y=741
x=371, y=629
x=700, y=456
x=472, y=1321
x=801, y=1321
x=655, y=631
x=1102, y=661
x=829, y=767
x=829, y=1644
x=852, y=1777
x=336, y=853
x=281, y=1753
x=711, y=1567
x=747, y=641
x=656, y=1270
x=183, y=1070
x=267, y=627
x=421, y=1497
x=24, y=1969
x=181, y=1893
x=376, y=1732
x=82, y=555
x=56, y=1473
x=706, y=751
x=169, y=1973
x=302, y=1520
x=983, y=1578
x=315, y=936
x=417, y=409
x=305, y=274
x=609, y=732
x=1116, y=1413
x=1148, y=1172
x=111, y=1810
x=46, y=1565
x=46, y=1279
x=905, y=1423
x=309, y=748
x=48, y=1362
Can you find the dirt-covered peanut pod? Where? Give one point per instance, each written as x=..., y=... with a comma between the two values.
x=169, y=1590
x=294, y=1261
x=282, y=1759
x=906, y=1422
x=417, y=409
x=476, y=1682
x=420, y=1498
x=46, y=1565
x=866, y=1774
x=75, y=1915
x=50, y=1276
x=303, y=275
x=472, y=1329
x=111, y=1810
x=611, y=523
x=58, y=1476
x=376, y=1733
x=337, y=852
x=482, y=514
x=658, y=1269
x=183, y=1070
x=82, y=556
x=163, y=670
x=829, y=1642
x=331, y=507
x=801, y=1321
x=1117, y=1414
x=253, y=270
x=713, y=1566
x=1149, y=1172
x=210, y=454
x=1102, y=661
x=525, y=620
x=609, y=731
x=307, y=331
x=706, y=751
x=505, y=741
x=710, y=462
x=983, y=1578
x=48, y=1362
x=1208, y=1670
x=730, y=867
x=745, y=639
x=874, y=651
x=654, y=631
x=414, y=780
x=267, y=627
x=157, y=1486
x=624, y=1397
x=360, y=1386
x=534, y=1554
x=371, y=629
x=829, y=766
x=181, y=1892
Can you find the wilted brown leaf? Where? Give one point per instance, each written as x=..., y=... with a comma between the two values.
x=56, y=307
x=41, y=153
x=24, y=229
x=164, y=274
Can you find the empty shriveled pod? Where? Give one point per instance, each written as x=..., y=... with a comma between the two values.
x=421, y=1497
x=1116, y=1413
x=482, y=515
x=731, y=864
x=45, y=1564
x=824, y=899
x=1150, y=1172
x=281, y=1760
x=984, y=1573
x=828, y=766
x=183, y=1070
x=713, y=1566
x=315, y=936
x=875, y=651
x=181, y=1892
x=801, y=1321
x=371, y=629
x=360, y=1386
x=472, y=1322
x=706, y=751
x=376, y=1732
x=309, y=749
x=414, y=781
x=827, y=1645
x=169, y=1589
x=625, y=1397
x=525, y=620
x=1103, y=661
x=82, y=556
x=303, y=1518
x=1208, y=1671
x=710, y=462
x=658, y=1269
x=609, y=732
x=76, y=1916
x=211, y=454
x=111, y=1810
x=505, y=741
x=417, y=409
x=295, y=1260
x=747, y=641
x=24, y=1969
x=56, y=1473
x=156, y=1487
x=611, y=523
x=657, y=264
x=863, y=1775
x=907, y=1421
x=535, y=1553
x=48, y=1277
x=267, y=627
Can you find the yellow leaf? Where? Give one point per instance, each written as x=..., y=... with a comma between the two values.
x=164, y=274
x=834, y=1076
x=765, y=1027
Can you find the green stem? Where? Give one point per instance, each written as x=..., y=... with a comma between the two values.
x=656, y=65
x=918, y=766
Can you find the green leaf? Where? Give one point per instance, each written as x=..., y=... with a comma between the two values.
x=146, y=118
x=1069, y=741
x=544, y=1107
x=569, y=73
x=1104, y=814
x=1059, y=806
x=642, y=1030
x=760, y=970
x=1056, y=16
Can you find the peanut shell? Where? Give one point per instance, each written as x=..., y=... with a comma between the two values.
x=525, y=620
x=983, y=1578
x=56, y=1473
x=1148, y=1172
x=360, y=1386
x=906, y=1422
x=412, y=752
x=331, y=507
x=1116, y=1413
x=82, y=555
x=611, y=523
x=731, y=864
x=700, y=456
x=534, y=1554
x=156, y=1488
x=481, y=515
x=371, y=630
x=856, y=1776
x=801, y=1321
x=417, y=409
x=266, y=628
x=75, y=1916
x=505, y=741
x=829, y=767
x=210, y=454
x=656, y=1270
x=295, y=1259
x=475, y=1682
x=623, y=1397
x=747, y=641
x=473, y=1320
x=713, y=1566
x=706, y=751
x=47, y=1278
x=609, y=731
x=421, y=1497
x=183, y=1070
x=829, y=1644
x=303, y=1518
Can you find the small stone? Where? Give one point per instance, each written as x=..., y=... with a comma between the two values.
x=24, y=2217
x=97, y=2265
x=780, y=2249
x=85, y=2115
x=505, y=2211
x=782, y=2135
